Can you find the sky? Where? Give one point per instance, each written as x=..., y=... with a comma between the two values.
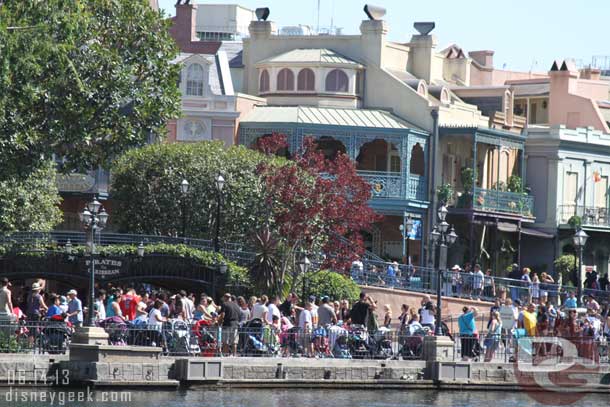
x=525, y=34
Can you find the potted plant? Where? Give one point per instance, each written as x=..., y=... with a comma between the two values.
x=444, y=193
x=575, y=221
x=515, y=184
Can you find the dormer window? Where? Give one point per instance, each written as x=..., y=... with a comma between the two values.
x=306, y=80
x=285, y=80
x=194, y=80
x=337, y=81
x=263, y=85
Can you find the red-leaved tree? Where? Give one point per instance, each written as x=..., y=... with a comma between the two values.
x=316, y=205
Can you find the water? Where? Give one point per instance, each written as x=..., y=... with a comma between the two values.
x=283, y=398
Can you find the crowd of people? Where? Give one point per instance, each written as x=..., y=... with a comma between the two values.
x=531, y=311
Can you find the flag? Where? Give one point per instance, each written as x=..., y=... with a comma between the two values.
x=596, y=176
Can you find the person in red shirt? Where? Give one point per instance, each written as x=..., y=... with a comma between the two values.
x=129, y=304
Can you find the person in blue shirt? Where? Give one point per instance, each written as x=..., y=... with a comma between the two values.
x=75, y=309
x=467, y=325
x=570, y=302
x=391, y=274
x=54, y=309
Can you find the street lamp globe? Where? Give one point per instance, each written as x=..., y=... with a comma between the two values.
x=141, y=249
x=452, y=236
x=103, y=218
x=86, y=217
x=580, y=238
x=184, y=187
x=69, y=247
x=435, y=235
x=94, y=206
x=443, y=227
x=442, y=213
x=220, y=182
x=304, y=265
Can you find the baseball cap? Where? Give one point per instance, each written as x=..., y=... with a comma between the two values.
x=72, y=292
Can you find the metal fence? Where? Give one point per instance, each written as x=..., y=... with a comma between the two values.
x=462, y=285
x=513, y=347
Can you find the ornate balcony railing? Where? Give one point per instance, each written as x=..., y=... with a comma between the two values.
x=385, y=184
x=500, y=201
x=589, y=215
x=393, y=185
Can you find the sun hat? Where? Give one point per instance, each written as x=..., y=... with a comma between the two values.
x=35, y=286
x=72, y=292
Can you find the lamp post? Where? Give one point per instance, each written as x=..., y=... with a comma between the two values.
x=304, y=265
x=443, y=237
x=184, y=190
x=405, y=230
x=580, y=240
x=220, y=183
x=94, y=218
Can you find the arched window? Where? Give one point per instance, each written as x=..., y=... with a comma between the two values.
x=306, y=80
x=285, y=80
x=337, y=81
x=417, y=163
x=194, y=80
x=263, y=84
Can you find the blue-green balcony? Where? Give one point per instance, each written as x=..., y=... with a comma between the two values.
x=394, y=185
x=493, y=200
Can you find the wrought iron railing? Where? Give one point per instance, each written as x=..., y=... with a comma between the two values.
x=589, y=215
x=501, y=201
x=233, y=251
x=394, y=185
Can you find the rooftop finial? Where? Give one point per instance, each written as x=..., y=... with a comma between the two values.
x=262, y=13
x=374, y=12
x=424, y=28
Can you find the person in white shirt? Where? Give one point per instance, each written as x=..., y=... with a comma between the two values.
x=99, y=308
x=306, y=326
x=427, y=312
x=187, y=305
x=260, y=310
x=314, y=310
x=273, y=309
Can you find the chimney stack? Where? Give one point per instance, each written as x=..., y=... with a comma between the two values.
x=184, y=29
x=484, y=57
x=590, y=73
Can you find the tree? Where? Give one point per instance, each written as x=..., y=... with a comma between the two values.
x=334, y=285
x=565, y=266
x=30, y=202
x=83, y=80
x=146, y=190
x=318, y=206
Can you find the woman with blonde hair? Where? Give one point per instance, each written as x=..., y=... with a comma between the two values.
x=387, y=318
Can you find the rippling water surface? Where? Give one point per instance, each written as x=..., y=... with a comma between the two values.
x=281, y=398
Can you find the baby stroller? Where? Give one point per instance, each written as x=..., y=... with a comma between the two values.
x=381, y=344
x=271, y=340
x=117, y=330
x=251, y=338
x=341, y=347
x=413, y=344
x=291, y=341
x=139, y=333
x=320, y=341
x=205, y=338
x=358, y=342
x=179, y=340
x=56, y=334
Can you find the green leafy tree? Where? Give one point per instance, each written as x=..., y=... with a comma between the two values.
x=334, y=285
x=146, y=190
x=565, y=266
x=82, y=79
x=31, y=201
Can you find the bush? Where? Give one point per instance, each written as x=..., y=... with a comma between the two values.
x=564, y=266
x=444, y=193
x=334, y=285
x=146, y=189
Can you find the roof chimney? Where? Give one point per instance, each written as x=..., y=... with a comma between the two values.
x=484, y=57
x=590, y=73
x=184, y=28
